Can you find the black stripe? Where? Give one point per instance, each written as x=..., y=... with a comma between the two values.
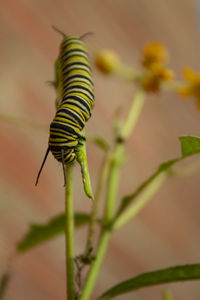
x=78, y=99
x=57, y=145
x=76, y=69
x=73, y=55
x=65, y=127
x=81, y=92
x=78, y=76
x=79, y=63
x=55, y=135
x=72, y=38
x=77, y=80
x=75, y=125
x=78, y=86
x=82, y=109
x=59, y=130
x=72, y=41
x=74, y=50
x=57, y=149
x=69, y=112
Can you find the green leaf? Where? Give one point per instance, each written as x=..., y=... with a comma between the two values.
x=81, y=157
x=40, y=233
x=173, y=274
x=4, y=284
x=189, y=145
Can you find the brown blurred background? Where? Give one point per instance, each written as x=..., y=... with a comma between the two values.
x=166, y=232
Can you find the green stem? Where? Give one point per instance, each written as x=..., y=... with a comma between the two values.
x=100, y=184
x=117, y=158
x=114, y=174
x=95, y=267
x=69, y=234
x=106, y=233
x=127, y=73
x=134, y=113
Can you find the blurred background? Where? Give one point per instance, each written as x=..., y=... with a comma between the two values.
x=166, y=232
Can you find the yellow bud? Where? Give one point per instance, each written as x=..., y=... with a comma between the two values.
x=107, y=61
x=154, y=54
x=152, y=79
x=167, y=74
x=191, y=76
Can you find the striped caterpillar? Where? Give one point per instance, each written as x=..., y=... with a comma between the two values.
x=76, y=100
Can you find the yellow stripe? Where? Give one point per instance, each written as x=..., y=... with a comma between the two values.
x=64, y=135
x=74, y=81
x=68, y=122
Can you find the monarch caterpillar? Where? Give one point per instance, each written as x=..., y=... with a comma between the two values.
x=76, y=100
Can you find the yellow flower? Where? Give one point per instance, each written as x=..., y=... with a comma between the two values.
x=155, y=59
x=152, y=80
x=154, y=55
x=107, y=61
x=192, y=87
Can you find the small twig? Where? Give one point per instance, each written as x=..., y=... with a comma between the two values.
x=78, y=277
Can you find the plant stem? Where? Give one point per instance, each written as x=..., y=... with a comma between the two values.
x=114, y=174
x=127, y=73
x=69, y=234
x=106, y=232
x=117, y=158
x=98, y=192
x=95, y=267
x=134, y=113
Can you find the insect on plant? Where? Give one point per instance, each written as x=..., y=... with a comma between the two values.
x=75, y=101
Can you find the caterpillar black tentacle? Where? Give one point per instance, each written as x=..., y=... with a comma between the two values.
x=63, y=164
x=85, y=34
x=44, y=160
x=59, y=31
x=77, y=100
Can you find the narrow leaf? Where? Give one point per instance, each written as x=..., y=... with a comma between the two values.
x=173, y=274
x=39, y=233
